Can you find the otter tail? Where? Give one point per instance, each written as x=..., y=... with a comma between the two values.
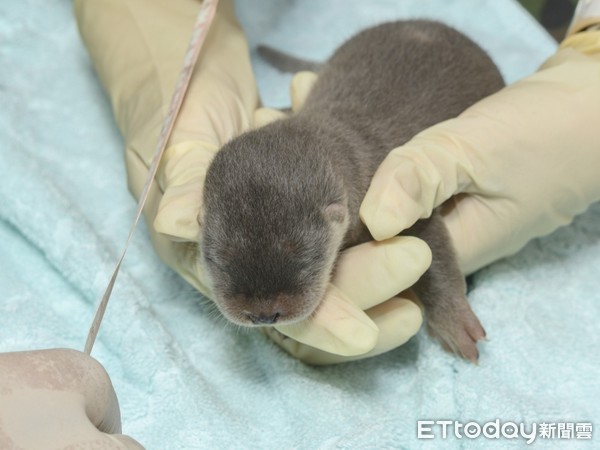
x=285, y=62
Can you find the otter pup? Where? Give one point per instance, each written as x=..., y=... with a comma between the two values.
x=282, y=200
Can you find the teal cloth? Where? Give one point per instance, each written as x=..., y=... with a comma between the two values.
x=185, y=379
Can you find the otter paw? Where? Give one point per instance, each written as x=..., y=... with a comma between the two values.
x=458, y=332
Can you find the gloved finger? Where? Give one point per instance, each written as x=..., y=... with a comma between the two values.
x=184, y=258
x=419, y=176
x=179, y=254
x=264, y=116
x=397, y=319
x=339, y=325
x=184, y=169
x=300, y=87
x=393, y=266
x=54, y=390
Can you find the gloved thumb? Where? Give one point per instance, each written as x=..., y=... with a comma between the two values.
x=417, y=177
x=300, y=87
x=184, y=166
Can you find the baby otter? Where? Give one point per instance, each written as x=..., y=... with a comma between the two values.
x=281, y=201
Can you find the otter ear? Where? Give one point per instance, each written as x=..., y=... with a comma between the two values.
x=336, y=212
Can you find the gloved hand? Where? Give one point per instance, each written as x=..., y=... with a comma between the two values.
x=58, y=398
x=519, y=163
x=137, y=47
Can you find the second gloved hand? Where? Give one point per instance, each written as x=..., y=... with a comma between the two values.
x=519, y=163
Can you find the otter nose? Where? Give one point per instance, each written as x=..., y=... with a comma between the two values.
x=263, y=319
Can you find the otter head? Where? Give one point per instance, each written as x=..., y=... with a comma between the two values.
x=274, y=216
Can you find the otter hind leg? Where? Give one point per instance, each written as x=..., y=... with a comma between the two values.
x=442, y=291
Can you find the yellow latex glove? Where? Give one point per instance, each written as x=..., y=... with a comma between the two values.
x=58, y=398
x=519, y=163
x=137, y=47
